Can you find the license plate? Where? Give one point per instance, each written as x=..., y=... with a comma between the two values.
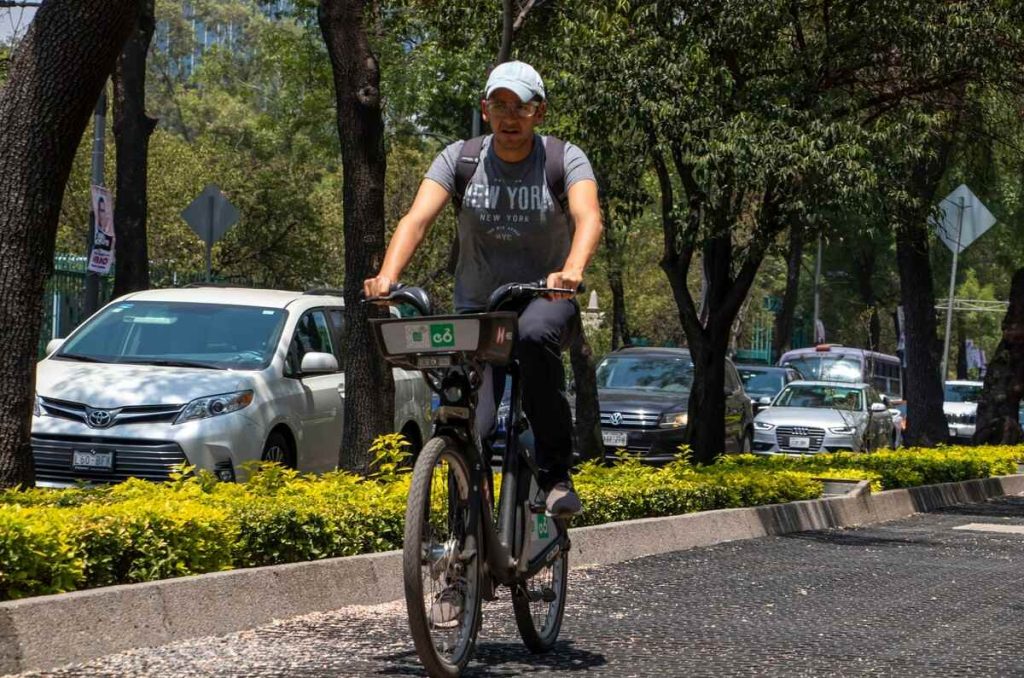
x=615, y=438
x=92, y=460
x=798, y=443
x=952, y=433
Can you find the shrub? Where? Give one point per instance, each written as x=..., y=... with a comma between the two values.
x=61, y=540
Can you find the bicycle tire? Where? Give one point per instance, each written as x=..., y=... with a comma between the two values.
x=542, y=639
x=430, y=640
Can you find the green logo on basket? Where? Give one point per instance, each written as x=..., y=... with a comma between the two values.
x=542, y=526
x=442, y=335
x=417, y=336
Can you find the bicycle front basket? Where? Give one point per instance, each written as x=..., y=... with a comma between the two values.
x=442, y=340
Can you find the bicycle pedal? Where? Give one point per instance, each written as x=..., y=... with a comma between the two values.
x=548, y=596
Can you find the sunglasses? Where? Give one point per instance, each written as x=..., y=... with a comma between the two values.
x=500, y=109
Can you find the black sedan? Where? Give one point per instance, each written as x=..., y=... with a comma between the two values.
x=644, y=395
x=764, y=381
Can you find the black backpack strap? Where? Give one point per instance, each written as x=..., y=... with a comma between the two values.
x=465, y=167
x=554, y=170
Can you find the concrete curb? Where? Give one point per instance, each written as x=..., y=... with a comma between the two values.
x=49, y=631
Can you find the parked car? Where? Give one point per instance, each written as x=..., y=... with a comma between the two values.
x=212, y=377
x=824, y=416
x=644, y=395
x=763, y=382
x=960, y=406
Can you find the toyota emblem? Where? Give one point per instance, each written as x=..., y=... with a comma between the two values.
x=616, y=419
x=99, y=418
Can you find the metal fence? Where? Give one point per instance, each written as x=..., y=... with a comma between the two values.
x=64, y=298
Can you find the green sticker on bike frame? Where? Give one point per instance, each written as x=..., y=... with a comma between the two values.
x=442, y=335
x=542, y=526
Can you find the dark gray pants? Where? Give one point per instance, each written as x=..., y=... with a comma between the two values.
x=546, y=328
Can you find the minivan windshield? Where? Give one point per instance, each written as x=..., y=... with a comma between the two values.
x=179, y=334
x=827, y=368
x=646, y=373
x=812, y=395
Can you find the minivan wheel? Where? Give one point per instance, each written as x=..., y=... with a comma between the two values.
x=277, y=449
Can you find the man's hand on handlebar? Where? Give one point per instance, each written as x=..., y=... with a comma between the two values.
x=569, y=279
x=379, y=286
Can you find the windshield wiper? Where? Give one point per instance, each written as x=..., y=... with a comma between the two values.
x=177, y=363
x=79, y=357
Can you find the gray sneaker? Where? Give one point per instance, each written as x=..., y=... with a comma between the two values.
x=447, y=605
x=562, y=501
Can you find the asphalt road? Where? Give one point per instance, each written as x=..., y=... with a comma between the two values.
x=910, y=598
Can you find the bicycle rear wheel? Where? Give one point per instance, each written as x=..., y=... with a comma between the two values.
x=441, y=560
x=539, y=603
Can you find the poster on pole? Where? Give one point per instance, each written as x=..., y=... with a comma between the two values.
x=101, y=250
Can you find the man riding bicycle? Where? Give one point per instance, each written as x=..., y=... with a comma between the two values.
x=515, y=226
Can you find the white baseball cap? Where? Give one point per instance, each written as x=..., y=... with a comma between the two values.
x=519, y=77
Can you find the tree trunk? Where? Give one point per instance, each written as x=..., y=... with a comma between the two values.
x=132, y=129
x=998, y=406
x=922, y=385
x=588, y=408
x=783, y=339
x=706, y=428
x=54, y=80
x=865, y=272
x=369, y=387
x=620, y=325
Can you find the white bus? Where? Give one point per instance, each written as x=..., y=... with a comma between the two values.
x=832, y=362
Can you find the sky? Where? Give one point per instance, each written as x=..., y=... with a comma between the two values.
x=15, y=20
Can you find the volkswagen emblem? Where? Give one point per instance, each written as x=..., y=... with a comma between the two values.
x=616, y=419
x=99, y=418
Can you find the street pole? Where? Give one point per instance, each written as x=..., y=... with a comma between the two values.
x=817, y=292
x=952, y=291
x=209, y=240
x=92, y=280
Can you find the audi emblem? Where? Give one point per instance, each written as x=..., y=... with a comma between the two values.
x=616, y=419
x=99, y=418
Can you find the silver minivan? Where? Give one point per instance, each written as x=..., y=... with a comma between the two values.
x=209, y=376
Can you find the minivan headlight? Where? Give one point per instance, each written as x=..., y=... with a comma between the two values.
x=214, y=406
x=842, y=430
x=673, y=420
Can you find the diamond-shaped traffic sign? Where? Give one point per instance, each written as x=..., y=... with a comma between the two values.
x=963, y=229
x=210, y=215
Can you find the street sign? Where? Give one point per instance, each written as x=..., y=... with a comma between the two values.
x=957, y=231
x=210, y=215
x=964, y=219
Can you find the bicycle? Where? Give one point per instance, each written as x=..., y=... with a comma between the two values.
x=455, y=550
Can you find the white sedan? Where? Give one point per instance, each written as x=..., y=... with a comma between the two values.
x=809, y=417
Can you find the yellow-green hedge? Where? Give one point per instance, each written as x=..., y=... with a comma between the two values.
x=62, y=540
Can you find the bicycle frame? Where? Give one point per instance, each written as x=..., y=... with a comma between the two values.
x=503, y=544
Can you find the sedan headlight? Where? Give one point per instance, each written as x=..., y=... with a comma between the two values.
x=763, y=426
x=842, y=430
x=214, y=406
x=674, y=420
x=37, y=407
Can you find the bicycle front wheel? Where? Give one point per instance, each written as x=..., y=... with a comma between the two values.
x=539, y=604
x=441, y=560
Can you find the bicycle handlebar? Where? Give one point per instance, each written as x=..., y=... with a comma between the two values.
x=508, y=293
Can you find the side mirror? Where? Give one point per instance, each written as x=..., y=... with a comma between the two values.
x=764, y=401
x=318, y=363
x=53, y=345
x=878, y=407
